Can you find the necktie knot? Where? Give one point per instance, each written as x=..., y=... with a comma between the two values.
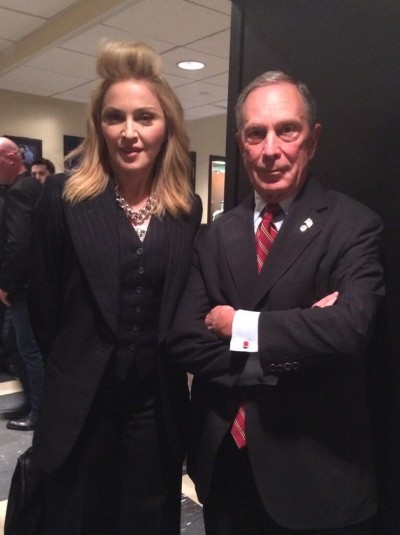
x=270, y=211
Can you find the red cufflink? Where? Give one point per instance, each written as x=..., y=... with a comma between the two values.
x=245, y=344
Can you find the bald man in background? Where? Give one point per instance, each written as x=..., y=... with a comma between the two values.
x=21, y=194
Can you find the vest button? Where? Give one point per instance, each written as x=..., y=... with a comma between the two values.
x=140, y=270
x=139, y=290
x=139, y=251
x=139, y=308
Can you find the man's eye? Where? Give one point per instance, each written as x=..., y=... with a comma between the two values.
x=289, y=132
x=255, y=135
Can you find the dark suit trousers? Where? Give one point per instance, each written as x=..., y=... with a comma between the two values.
x=120, y=478
x=234, y=507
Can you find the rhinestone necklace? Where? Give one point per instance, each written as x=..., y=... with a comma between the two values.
x=137, y=218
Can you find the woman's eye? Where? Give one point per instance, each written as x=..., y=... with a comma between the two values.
x=112, y=117
x=146, y=118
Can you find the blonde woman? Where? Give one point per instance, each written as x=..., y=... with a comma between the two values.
x=112, y=252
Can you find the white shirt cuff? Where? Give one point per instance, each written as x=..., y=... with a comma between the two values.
x=245, y=331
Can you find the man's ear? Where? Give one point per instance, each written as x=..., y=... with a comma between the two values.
x=13, y=158
x=314, y=138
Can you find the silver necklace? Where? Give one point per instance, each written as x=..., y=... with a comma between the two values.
x=137, y=218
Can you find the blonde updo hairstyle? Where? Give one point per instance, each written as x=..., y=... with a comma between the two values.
x=171, y=185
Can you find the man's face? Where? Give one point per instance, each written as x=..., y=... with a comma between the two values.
x=276, y=141
x=40, y=172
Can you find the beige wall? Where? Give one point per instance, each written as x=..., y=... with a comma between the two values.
x=50, y=119
x=42, y=118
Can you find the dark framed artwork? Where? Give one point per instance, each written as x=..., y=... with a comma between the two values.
x=31, y=148
x=193, y=170
x=71, y=143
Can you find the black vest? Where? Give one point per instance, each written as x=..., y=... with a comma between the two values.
x=142, y=276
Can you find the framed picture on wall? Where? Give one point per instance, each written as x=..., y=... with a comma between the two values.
x=31, y=148
x=193, y=171
x=71, y=143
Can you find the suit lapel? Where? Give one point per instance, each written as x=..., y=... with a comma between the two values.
x=302, y=225
x=238, y=239
x=179, y=239
x=94, y=231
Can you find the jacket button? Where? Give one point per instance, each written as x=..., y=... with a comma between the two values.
x=287, y=366
x=272, y=367
x=280, y=368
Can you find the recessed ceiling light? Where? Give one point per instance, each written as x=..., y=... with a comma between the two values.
x=191, y=65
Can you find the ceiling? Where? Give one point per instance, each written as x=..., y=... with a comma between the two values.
x=48, y=47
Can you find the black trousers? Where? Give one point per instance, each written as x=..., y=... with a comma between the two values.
x=121, y=478
x=234, y=507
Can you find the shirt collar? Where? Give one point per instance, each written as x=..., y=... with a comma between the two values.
x=260, y=203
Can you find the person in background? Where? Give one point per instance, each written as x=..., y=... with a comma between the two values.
x=41, y=169
x=20, y=198
x=274, y=325
x=112, y=251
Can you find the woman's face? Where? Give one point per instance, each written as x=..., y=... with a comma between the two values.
x=134, y=128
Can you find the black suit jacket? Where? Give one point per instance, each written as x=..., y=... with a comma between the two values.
x=16, y=218
x=74, y=306
x=308, y=437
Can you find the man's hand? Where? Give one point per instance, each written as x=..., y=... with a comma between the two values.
x=327, y=301
x=219, y=320
x=4, y=298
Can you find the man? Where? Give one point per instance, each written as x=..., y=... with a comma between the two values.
x=275, y=334
x=41, y=169
x=15, y=230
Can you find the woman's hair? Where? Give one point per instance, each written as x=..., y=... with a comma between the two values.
x=276, y=77
x=171, y=185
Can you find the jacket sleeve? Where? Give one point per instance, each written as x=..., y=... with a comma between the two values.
x=19, y=205
x=46, y=268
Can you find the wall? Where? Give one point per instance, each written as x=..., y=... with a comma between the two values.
x=42, y=118
x=207, y=136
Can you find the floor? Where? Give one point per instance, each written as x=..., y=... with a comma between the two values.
x=13, y=443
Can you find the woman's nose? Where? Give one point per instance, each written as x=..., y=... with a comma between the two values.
x=130, y=130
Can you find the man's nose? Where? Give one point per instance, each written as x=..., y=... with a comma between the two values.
x=271, y=145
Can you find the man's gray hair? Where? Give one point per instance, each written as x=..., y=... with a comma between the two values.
x=276, y=77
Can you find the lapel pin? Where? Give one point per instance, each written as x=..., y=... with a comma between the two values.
x=307, y=224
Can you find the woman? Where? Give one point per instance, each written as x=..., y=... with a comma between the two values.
x=112, y=251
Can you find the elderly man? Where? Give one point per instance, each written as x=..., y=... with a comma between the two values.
x=21, y=196
x=274, y=325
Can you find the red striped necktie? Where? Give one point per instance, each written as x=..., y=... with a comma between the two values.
x=265, y=236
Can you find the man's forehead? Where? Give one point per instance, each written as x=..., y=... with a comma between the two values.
x=277, y=100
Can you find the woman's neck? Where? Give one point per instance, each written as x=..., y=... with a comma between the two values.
x=135, y=192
